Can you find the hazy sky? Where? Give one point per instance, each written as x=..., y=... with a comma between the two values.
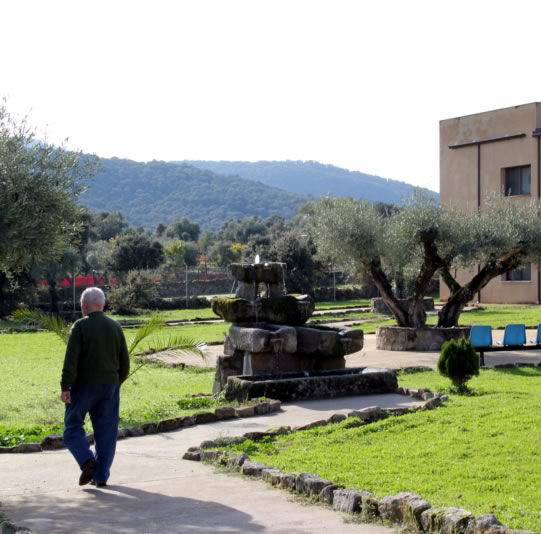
x=359, y=84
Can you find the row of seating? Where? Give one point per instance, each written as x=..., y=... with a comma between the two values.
x=514, y=338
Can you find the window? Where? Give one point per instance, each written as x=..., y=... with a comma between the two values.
x=517, y=181
x=522, y=274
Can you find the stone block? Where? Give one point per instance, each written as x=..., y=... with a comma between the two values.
x=187, y=421
x=321, y=422
x=488, y=524
x=314, y=486
x=326, y=495
x=252, y=469
x=403, y=508
x=427, y=395
x=134, y=431
x=237, y=461
x=210, y=456
x=369, y=414
x=194, y=456
x=208, y=444
x=275, y=405
x=276, y=477
x=286, y=481
x=369, y=507
x=245, y=411
x=432, y=403
x=225, y=412
x=167, y=425
x=336, y=418
x=347, y=500
x=262, y=408
x=51, y=443
x=268, y=474
x=149, y=428
x=26, y=448
x=446, y=521
x=205, y=417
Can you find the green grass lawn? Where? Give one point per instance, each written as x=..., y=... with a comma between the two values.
x=31, y=364
x=171, y=315
x=479, y=452
x=349, y=316
x=499, y=315
x=332, y=304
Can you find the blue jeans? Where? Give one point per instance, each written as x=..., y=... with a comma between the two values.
x=101, y=401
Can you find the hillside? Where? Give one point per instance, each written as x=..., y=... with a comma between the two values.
x=313, y=178
x=159, y=192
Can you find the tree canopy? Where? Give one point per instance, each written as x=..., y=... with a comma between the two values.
x=39, y=186
x=422, y=239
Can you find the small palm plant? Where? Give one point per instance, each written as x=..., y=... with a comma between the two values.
x=143, y=339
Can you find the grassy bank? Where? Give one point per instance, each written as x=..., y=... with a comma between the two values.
x=480, y=452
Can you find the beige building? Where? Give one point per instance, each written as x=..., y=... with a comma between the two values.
x=494, y=152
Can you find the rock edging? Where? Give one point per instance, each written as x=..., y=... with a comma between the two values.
x=51, y=443
x=404, y=509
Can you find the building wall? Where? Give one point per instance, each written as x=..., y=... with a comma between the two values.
x=461, y=169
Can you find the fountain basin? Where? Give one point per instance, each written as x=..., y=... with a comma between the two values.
x=266, y=273
x=312, y=385
x=285, y=309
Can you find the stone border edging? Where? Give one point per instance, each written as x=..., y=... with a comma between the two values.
x=404, y=509
x=51, y=443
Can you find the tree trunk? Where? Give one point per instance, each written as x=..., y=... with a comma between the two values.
x=461, y=295
x=386, y=291
x=431, y=263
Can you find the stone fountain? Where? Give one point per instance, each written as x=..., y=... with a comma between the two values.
x=270, y=351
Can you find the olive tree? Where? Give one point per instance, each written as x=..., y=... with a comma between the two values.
x=421, y=240
x=380, y=243
x=503, y=235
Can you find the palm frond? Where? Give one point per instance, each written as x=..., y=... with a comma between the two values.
x=51, y=322
x=179, y=343
x=154, y=324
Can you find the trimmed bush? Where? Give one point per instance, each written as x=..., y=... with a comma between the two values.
x=459, y=362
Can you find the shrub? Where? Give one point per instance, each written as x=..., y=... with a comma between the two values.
x=139, y=291
x=459, y=362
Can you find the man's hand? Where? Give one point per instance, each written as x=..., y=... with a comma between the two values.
x=66, y=397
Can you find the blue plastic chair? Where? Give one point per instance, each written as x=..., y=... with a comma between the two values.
x=515, y=334
x=481, y=336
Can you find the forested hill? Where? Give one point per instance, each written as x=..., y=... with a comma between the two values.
x=159, y=192
x=313, y=178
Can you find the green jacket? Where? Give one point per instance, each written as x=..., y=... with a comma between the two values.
x=96, y=352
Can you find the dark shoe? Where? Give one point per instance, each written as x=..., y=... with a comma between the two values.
x=98, y=484
x=88, y=470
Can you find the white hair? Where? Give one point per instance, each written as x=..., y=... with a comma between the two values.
x=93, y=296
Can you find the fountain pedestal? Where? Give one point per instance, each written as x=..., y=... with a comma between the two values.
x=269, y=335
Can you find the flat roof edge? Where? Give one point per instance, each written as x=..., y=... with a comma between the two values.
x=490, y=111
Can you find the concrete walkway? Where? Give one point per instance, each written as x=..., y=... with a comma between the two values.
x=153, y=490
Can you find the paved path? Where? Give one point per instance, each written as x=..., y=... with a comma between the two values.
x=153, y=490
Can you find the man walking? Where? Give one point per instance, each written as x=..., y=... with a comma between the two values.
x=95, y=365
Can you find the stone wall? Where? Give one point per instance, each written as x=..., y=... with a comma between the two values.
x=417, y=339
